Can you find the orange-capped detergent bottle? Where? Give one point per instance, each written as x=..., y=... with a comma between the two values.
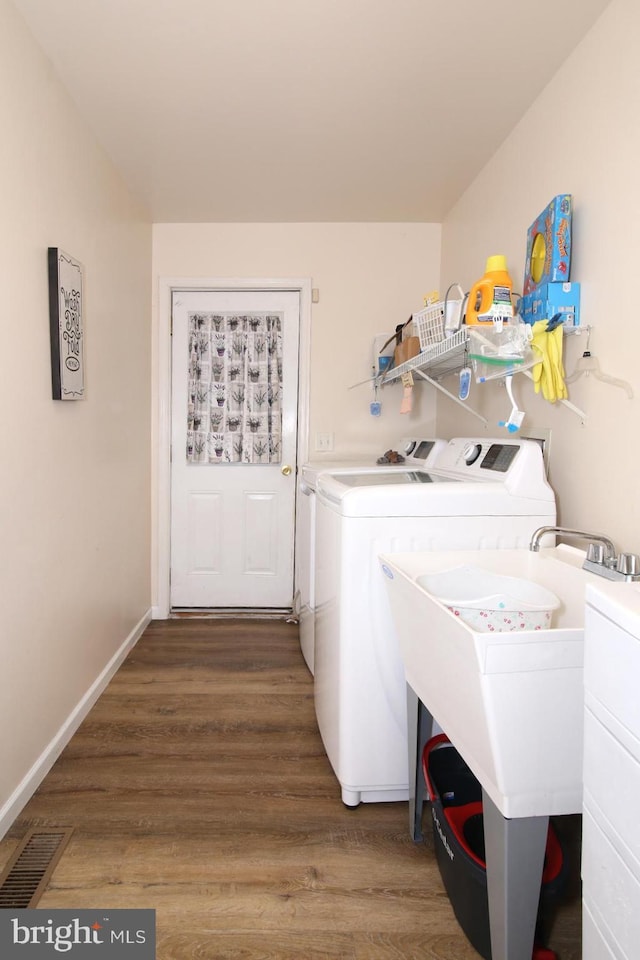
x=490, y=298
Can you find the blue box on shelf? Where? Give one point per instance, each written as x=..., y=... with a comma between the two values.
x=549, y=245
x=549, y=299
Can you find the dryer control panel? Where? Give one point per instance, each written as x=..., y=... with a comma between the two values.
x=498, y=457
x=472, y=458
x=518, y=463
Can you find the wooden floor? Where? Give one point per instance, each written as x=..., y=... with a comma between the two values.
x=198, y=786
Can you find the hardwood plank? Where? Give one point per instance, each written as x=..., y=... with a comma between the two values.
x=198, y=786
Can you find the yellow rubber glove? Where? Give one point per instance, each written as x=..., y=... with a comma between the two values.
x=556, y=341
x=548, y=375
x=539, y=346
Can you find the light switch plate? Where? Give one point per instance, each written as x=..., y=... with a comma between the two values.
x=324, y=442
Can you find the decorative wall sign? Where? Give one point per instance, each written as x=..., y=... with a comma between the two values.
x=66, y=319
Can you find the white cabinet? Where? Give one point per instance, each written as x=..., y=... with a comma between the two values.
x=611, y=824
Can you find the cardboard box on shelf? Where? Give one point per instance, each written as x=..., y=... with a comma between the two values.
x=406, y=350
x=548, y=257
x=549, y=299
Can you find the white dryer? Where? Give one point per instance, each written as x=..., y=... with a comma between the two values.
x=418, y=452
x=477, y=493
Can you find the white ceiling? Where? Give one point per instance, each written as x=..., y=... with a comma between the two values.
x=304, y=110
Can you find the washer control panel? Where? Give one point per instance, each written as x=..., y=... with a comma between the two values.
x=421, y=451
x=473, y=458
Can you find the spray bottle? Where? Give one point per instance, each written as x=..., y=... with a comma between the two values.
x=490, y=298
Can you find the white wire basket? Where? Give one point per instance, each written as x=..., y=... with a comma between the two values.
x=429, y=324
x=440, y=319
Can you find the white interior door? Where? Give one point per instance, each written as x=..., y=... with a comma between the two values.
x=233, y=447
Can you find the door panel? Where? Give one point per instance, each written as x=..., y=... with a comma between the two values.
x=204, y=532
x=261, y=534
x=233, y=433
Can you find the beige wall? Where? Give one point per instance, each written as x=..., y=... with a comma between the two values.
x=582, y=136
x=370, y=277
x=75, y=514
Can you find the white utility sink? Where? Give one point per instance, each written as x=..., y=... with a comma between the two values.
x=511, y=702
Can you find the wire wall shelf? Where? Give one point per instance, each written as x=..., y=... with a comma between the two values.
x=439, y=359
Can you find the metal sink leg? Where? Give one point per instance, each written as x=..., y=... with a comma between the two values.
x=419, y=729
x=514, y=852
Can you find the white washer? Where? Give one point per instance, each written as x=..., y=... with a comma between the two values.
x=478, y=494
x=418, y=452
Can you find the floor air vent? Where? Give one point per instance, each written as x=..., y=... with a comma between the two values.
x=25, y=878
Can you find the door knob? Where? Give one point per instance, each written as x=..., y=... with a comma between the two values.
x=286, y=470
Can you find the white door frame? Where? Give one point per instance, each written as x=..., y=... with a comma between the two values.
x=161, y=465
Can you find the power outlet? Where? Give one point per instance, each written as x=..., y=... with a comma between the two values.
x=324, y=442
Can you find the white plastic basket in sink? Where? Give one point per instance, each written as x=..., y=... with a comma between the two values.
x=489, y=602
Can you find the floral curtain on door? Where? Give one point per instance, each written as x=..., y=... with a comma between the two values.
x=235, y=388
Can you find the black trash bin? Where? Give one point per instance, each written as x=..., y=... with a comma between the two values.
x=455, y=801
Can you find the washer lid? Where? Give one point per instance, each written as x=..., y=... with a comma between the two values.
x=384, y=479
x=438, y=497
x=310, y=471
x=418, y=452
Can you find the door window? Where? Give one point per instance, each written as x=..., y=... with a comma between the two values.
x=234, y=378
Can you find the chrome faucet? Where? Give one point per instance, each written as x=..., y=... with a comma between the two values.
x=601, y=554
x=610, y=550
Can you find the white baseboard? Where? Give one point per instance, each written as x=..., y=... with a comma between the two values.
x=30, y=783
